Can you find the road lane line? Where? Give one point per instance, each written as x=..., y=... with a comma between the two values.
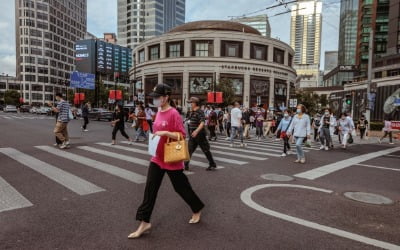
x=336, y=166
x=10, y=198
x=398, y=156
x=260, y=148
x=246, y=197
x=145, y=152
x=372, y=166
x=7, y=117
x=242, y=150
x=107, y=168
x=70, y=181
x=195, y=154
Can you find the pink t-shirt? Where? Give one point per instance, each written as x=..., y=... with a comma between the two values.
x=171, y=121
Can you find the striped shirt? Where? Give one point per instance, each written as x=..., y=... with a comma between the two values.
x=63, y=113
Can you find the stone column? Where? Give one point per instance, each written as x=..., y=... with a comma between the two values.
x=287, y=93
x=246, y=49
x=185, y=89
x=270, y=53
x=217, y=47
x=160, y=76
x=271, y=92
x=246, y=94
x=162, y=50
x=146, y=53
x=187, y=48
x=286, y=58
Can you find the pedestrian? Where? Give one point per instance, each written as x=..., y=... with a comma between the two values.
x=236, y=124
x=212, y=123
x=345, y=128
x=283, y=127
x=58, y=141
x=197, y=134
x=300, y=130
x=259, y=117
x=168, y=124
x=327, y=121
x=268, y=123
x=85, y=115
x=220, y=121
x=61, y=129
x=387, y=129
x=119, y=124
x=141, y=119
x=149, y=117
x=227, y=124
x=362, y=126
x=246, y=122
x=315, y=124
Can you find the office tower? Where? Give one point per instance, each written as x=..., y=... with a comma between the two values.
x=331, y=60
x=305, y=39
x=139, y=20
x=261, y=23
x=348, y=32
x=46, y=32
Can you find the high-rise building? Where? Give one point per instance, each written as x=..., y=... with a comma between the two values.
x=139, y=20
x=46, y=32
x=110, y=38
x=260, y=23
x=305, y=39
x=331, y=60
x=372, y=15
x=348, y=32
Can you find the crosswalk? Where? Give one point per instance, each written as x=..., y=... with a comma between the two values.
x=6, y=116
x=135, y=155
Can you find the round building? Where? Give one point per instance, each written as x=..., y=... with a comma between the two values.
x=193, y=56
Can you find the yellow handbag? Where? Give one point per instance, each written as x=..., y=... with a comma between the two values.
x=176, y=151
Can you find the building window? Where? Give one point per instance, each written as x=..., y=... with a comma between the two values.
x=202, y=48
x=279, y=55
x=154, y=52
x=141, y=56
x=175, y=50
x=290, y=60
x=231, y=49
x=258, y=52
x=30, y=78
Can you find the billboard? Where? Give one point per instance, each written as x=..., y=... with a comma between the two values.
x=100, y=59
x=82, y=80
x=85, y=56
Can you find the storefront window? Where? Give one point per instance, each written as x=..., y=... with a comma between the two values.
x=200, y=84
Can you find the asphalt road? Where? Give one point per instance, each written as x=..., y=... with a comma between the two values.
x=86, y=197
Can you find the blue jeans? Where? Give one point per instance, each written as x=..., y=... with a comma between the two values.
x=235, y=130
x=299, y=147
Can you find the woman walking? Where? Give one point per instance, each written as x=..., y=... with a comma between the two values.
x=283, y=128
x=387, y=130
x=300, y=129
x=168, y=124
x=119, y=124
x=259, y=117
x=345, y=128
x=141, y=119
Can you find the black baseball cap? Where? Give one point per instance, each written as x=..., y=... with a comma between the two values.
x=161, y=89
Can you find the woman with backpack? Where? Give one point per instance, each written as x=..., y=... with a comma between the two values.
x=283, y=128
x=362, y=126
x=212, y=123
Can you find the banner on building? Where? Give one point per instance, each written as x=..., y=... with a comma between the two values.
x=82, y=80
x=115, y=95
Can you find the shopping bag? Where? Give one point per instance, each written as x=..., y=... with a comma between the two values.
x=153, y=144
x=176, y=151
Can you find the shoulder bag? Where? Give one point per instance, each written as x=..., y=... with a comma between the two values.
x=176, y=151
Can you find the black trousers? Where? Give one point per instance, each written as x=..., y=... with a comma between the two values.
x=362, y=132
x=212, y=131
x=286, y=144
x=388, y=133
x=150, y=122
x=85, y=122
x=181, y=185
x=120, y=128
x=200, y=140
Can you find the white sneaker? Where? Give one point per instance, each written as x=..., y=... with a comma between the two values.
x=55, y=144
x=227, y=139
x=231, y=145
x=67, y=143
x=243, y=145
x=85, y=130
x=283, y=154
x=322, y=147
x=63, y=146
x=288, y=152
x=326, y=148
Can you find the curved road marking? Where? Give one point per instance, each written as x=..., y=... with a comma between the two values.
x=245, y=196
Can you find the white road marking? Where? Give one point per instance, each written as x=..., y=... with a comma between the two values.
x=372, y=166
x=214, y=152
x=398, y=156
x=260, y=148
x=107, y=168
x=10, y=198
x=246, y=198
x=7, y=117
x=134, y=150
x=70, y=181
x=333, y=167
x=242, y=150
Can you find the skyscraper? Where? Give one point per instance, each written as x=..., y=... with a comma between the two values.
x=260, y=22
x=348, y=32
x=46, y=32
x=305, y=39
x=142, y=19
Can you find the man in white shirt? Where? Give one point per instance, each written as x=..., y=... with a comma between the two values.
x=149, y=117
x=236, y=124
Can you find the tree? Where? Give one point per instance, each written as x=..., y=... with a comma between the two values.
x=226, y=87
x=11, y=97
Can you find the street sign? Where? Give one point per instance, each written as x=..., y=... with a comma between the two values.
x=395, y=125
x=292, y=103
x=140, y=97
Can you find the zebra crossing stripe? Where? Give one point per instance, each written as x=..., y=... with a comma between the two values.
x=70, y=181
x=131, y=159
x=214, y=152
x=134, y=150
x=260, y=148
x=107, y=168
x=10, y=198
x=275, y=144
x=242, y=150
x=7, y=117
x=194, y=154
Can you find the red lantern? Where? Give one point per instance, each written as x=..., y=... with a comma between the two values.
x=219, y=98
x=115, y=95
x=210, y=97
x=21, y=100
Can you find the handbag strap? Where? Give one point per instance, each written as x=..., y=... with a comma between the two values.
x=289, y=124
x=179, y=137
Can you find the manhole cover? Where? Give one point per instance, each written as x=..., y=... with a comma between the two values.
x=277, y=177
x=369, y=198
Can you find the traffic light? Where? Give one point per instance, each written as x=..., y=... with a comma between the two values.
x=348, y=99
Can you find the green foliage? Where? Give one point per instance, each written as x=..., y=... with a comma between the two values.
x=313, y=102
x=226, y=87
x=11, y=97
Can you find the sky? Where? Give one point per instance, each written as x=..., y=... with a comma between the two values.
x=102, y=17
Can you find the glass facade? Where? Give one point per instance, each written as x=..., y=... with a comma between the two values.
x=348, y=32
x=260, y=23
